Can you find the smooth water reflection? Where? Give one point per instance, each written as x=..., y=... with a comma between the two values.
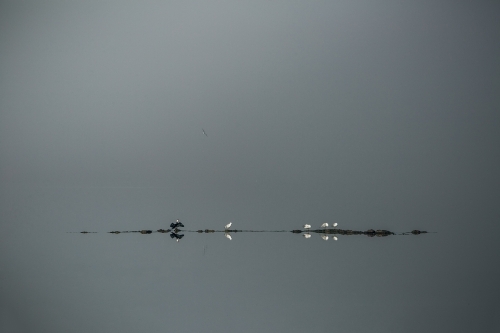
x=245, y=280
x=177, y=234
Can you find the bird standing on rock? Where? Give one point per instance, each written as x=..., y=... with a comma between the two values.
x=307, y=226
x=228, y=225
x=176, y=224
x=324, y=225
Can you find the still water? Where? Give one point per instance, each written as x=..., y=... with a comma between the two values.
x=57, y=279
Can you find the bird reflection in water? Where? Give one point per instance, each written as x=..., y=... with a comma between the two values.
x=176, y=236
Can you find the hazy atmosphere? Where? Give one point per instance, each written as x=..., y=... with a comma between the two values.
x=126, y=115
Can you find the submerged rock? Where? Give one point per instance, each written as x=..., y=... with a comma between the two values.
x=378, y=233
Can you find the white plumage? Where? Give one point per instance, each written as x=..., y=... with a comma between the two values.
x=228, y=225
x=324, y=225
x=307, y=226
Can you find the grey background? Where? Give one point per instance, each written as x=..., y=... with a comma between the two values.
x=372, y=114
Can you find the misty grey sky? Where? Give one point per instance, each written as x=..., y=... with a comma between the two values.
x=376, y=114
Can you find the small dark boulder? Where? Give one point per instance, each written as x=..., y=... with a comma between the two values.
x=384, y=233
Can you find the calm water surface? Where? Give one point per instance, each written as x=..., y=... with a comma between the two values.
x=269, y=282
x=270, y=114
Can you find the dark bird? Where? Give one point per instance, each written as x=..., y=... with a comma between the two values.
x=204, y=132
x=176, y=224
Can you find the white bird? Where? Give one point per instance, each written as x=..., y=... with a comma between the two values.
x=335, y=224
x=307, y=235
x=335, y=238
x=228, y=225
x=307, y=226
x=325, y=237
x=324, y=225
x=228, y=236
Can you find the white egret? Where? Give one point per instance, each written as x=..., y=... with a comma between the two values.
x=307, y=226
x=307, y=235
x=335, y=238
x=325, y=237
x=228, y=225
x=335, y=224
x=228, y=236
x=324, y=225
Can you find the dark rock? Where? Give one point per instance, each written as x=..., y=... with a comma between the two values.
x=384, y=233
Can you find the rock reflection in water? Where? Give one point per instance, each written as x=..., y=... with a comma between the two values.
x=325, y=231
